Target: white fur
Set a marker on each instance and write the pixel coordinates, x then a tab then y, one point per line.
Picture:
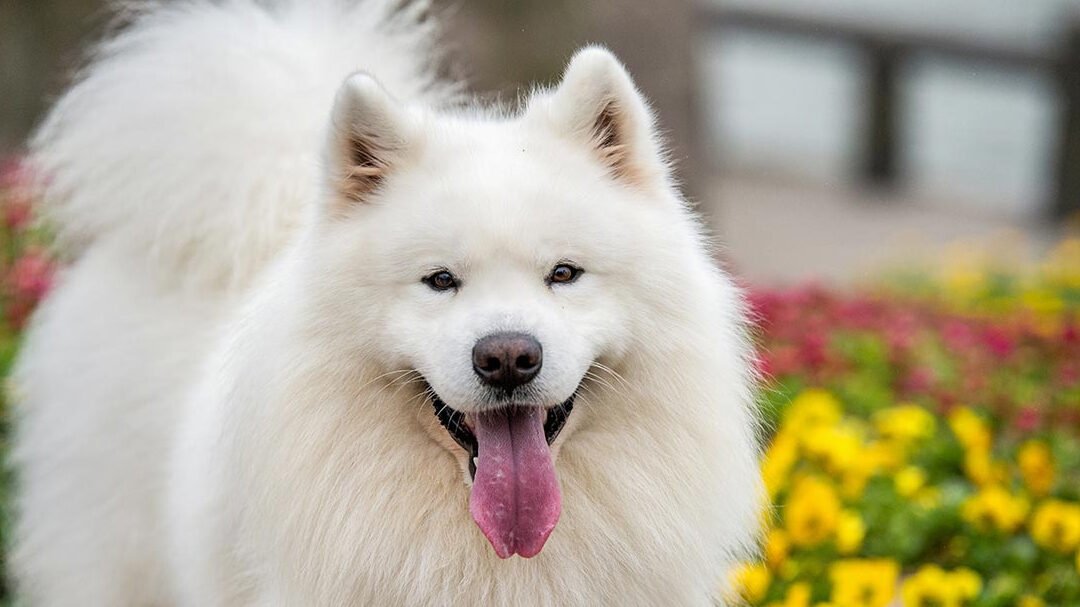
219	404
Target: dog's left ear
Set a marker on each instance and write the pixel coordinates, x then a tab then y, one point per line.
597	105
368	138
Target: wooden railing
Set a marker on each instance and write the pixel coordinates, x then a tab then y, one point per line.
885	49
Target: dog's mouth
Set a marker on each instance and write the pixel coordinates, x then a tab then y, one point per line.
515	497
460	430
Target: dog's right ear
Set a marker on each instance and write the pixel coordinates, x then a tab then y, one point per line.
368	135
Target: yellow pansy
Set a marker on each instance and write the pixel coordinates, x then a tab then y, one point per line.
905	423
963	275
1062	265
777	548
1036	464
811	408
909	481
850	531
886	455
933	586
751	581
981	468
1056	526
970	429
835	448
930	497
812	512
995	509
863	583
779	459
798	595
1030	600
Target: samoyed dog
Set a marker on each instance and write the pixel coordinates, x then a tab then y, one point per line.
332	336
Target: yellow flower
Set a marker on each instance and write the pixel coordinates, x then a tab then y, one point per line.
932	585
835	448
963	276
779	459
1036	464
850	531
1043	301
929	497
966	583
1056	526
751	581
798	595
970	429
995	509
777	548
863	583
909	481
811	408
812	512
982	469
905	424
1030	600
1062	266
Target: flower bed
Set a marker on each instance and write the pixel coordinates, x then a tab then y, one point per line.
924	443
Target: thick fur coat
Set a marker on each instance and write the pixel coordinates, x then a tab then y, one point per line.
228	399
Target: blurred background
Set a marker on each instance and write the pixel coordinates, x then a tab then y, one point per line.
898	186
820	138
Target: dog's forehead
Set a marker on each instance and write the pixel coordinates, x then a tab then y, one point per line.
501	189
504	166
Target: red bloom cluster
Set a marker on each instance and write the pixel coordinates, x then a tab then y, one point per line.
25	267
1021	364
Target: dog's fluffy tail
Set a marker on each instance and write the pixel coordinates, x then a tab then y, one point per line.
194	135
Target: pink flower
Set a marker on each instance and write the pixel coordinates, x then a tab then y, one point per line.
1071	334
1027	419
998	341
918	381
17	211
17	186
31	276
14	172
958	335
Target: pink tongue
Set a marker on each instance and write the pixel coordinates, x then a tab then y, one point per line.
515	496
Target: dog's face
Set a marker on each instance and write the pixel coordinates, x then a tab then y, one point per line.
499	259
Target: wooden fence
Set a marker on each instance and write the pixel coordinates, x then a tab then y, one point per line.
886	49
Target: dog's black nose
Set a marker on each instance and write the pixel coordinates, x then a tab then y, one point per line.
507	360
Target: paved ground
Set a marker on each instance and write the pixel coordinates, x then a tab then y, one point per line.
774	232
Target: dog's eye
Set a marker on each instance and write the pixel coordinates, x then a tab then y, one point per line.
564	273
441	280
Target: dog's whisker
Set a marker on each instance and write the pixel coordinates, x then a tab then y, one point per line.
612	372
604	382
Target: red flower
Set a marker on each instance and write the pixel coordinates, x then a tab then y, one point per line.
31	276
998	341
15	173
1027	419
17	210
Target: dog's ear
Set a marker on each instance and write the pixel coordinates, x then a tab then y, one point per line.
597	104
367	137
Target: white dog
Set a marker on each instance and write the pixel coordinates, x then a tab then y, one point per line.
371	349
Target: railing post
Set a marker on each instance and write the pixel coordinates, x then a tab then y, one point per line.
1067	195
882	120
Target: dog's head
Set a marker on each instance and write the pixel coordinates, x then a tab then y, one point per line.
503	259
